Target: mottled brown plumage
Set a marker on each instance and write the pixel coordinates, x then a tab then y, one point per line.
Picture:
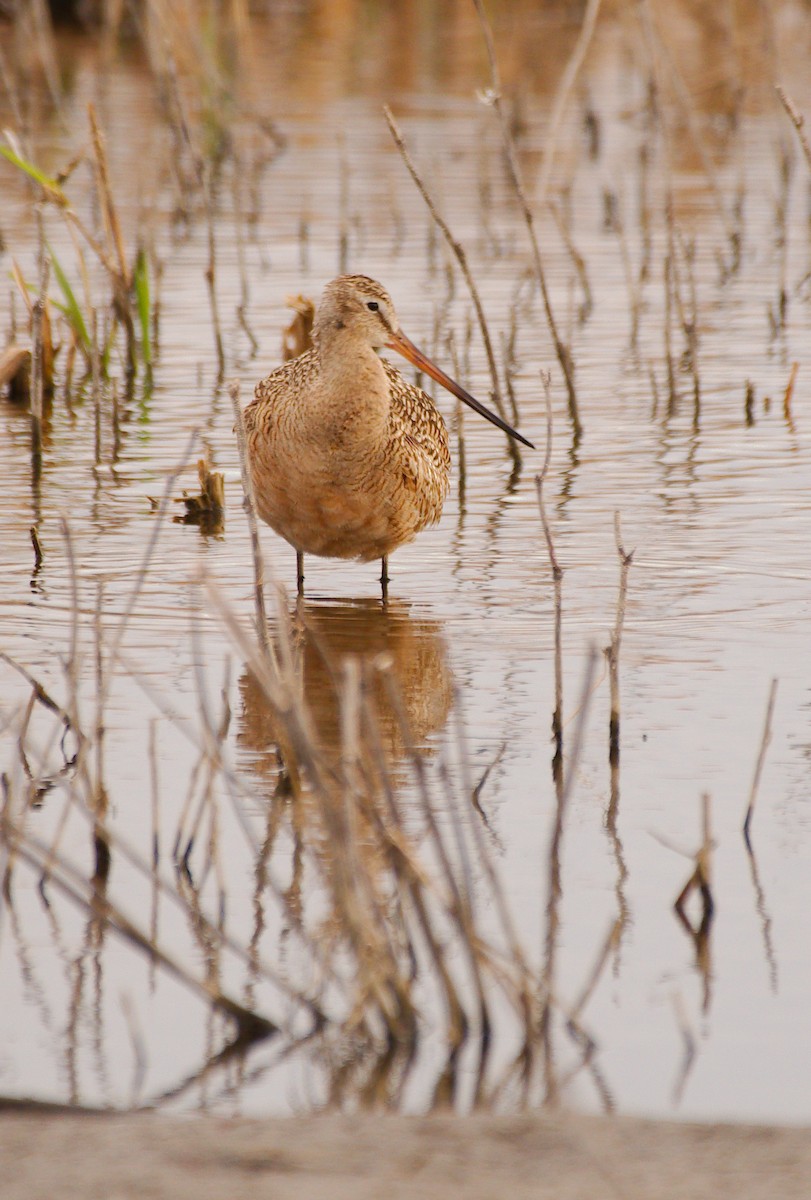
348	459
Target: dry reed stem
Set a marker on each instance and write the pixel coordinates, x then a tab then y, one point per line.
479	958
249	504
613	649
203	176
459	253
658	48
789	393
116	258
38	551
413	883
495	97
700	879
797	119
578	261
112	225
761	758
239	221
563	788
562	92
40	338
557	580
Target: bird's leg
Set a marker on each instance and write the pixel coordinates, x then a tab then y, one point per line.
300	572
384	576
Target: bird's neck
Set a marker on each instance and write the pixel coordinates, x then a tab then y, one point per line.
354	387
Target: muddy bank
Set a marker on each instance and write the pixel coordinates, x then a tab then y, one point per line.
364	1158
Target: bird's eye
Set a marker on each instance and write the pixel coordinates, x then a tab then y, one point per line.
372	305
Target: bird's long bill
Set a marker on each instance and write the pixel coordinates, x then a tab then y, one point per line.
404	346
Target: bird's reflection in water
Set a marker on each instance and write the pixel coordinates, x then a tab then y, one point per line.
325	635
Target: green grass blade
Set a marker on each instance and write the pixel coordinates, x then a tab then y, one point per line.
71	308
141	285
50	185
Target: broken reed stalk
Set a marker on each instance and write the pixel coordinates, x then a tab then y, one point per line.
761	758
613	649
797	119
557	583
495	97
459	253
249	504
38	551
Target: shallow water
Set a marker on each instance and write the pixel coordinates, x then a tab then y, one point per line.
716	511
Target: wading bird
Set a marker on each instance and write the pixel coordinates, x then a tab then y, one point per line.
348	459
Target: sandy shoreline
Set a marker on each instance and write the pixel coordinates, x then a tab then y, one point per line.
367	1157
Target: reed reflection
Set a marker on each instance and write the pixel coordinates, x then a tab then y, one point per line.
325	636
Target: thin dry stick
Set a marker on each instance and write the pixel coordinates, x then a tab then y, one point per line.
250	512
761	758
563	91
121	274
461	258
239	219
613	650
204	182
797	119
789	393
656	42
562	351
111	222
700	877
689	316
577	260
557	579
554	885
38	319
211	271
